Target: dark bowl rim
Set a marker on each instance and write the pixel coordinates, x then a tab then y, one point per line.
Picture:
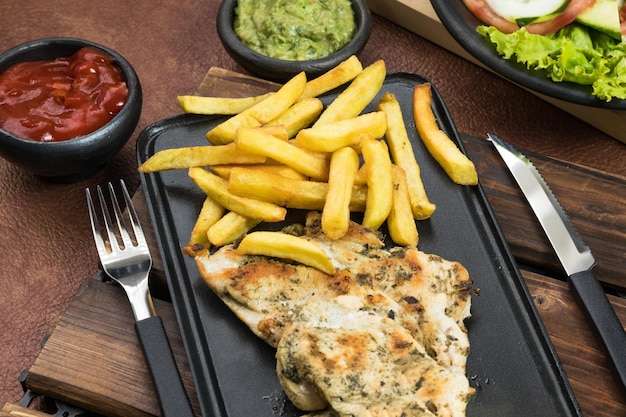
231	41
135	94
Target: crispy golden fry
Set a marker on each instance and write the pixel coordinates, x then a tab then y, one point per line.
402	154
230	228
379	182
361	176
401	224
284	171
287	192
320	155
347	132
260	113
217	105
299	116
261	143
333	78
344	165
361	91
210	213
217	188
223	171
285	246
456	164
279	131
198	156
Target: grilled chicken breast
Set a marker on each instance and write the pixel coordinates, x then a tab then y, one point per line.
433	293
383	336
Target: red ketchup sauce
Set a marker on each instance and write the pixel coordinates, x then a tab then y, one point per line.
61	99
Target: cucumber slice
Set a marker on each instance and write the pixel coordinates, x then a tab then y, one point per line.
523	10
603	16
528	20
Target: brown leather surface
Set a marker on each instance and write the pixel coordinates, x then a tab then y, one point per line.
46	248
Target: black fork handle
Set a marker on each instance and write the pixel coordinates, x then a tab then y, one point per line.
168	384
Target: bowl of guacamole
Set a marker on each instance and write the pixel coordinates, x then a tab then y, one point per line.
277	39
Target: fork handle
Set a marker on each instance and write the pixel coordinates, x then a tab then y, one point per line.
168	384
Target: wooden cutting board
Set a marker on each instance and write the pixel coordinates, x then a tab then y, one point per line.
419	17
93	359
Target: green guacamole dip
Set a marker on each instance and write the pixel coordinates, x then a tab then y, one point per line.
295	30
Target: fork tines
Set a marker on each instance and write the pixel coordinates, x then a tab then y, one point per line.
117	225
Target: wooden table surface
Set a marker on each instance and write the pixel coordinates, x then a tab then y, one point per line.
93	360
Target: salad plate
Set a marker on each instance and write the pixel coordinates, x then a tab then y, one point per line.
462	24
512	363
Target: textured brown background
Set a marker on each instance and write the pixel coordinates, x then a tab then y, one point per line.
46	248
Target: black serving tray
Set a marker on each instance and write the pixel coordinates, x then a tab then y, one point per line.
512	363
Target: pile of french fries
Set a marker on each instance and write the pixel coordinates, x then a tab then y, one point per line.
286	150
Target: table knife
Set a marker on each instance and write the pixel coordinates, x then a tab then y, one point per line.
573	254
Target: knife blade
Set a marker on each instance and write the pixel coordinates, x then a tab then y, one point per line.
573	254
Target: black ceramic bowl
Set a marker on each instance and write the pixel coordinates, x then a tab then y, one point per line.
282	70
78	158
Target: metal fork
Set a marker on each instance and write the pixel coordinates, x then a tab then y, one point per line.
126	259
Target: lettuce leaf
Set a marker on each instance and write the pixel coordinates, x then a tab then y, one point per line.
574	54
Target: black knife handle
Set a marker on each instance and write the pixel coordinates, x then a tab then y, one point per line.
168	384
590	294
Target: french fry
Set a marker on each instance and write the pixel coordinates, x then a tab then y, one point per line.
230	228
361	91
457	165
347	132
279	131
344	165
361	176
261	113
210	213
318	154
223	171
402	154
217	188
217	105
287	192
299	116
261	143
198	156
260	135
401	224
333	78
285	246
379	182
284	171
